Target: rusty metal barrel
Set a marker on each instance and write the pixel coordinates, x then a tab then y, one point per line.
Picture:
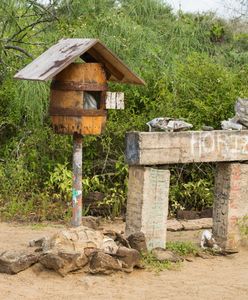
78	99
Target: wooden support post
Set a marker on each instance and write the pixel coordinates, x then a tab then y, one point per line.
77	181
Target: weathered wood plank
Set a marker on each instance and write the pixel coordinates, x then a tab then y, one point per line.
114	100
60	55
55	59
159	148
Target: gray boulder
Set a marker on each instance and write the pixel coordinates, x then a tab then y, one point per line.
65	251
12	262
137	241
130	258
64	262
91	222
102	263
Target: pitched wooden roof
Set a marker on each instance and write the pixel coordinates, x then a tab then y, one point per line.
60	55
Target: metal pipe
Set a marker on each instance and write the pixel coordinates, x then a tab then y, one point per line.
77	180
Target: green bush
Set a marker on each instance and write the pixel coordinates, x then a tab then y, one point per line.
194	65
191	187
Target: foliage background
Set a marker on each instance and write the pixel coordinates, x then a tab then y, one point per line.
195	67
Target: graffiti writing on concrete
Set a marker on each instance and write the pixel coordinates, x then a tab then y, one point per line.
223	144
156	207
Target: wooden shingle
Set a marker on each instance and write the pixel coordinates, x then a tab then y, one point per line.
66	51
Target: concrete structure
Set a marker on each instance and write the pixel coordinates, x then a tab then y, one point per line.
147	208
160	148
147	204
231	203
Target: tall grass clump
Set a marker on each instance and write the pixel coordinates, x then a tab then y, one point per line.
194	65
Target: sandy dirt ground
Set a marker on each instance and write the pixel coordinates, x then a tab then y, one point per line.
217	278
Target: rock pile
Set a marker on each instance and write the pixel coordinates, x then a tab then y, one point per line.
84	248
240	120
78	248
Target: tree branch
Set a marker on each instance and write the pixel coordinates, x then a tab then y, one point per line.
44	8
27	27
17	48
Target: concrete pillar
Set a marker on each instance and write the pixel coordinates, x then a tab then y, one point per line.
230	204
147	204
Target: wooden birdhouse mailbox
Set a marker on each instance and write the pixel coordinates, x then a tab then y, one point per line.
79	94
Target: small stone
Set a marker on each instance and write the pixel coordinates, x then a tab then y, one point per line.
64	262
110	233
130	258
204	255
91	222
89	251
102	263
174	225
12	262
226	252
189	259
204	223
109	246
121	241
117	237
137	241
38	242
162	254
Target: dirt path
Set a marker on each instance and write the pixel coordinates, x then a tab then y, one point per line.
218	278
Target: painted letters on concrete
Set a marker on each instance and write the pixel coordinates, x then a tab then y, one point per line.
147	204
158	148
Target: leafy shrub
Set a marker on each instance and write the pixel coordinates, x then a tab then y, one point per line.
191	187
182	248
189	74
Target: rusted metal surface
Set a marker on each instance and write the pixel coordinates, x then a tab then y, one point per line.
68	107
77	86
62	54
77	181
76	112
86	125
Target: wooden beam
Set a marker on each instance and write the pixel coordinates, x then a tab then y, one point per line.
160	148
